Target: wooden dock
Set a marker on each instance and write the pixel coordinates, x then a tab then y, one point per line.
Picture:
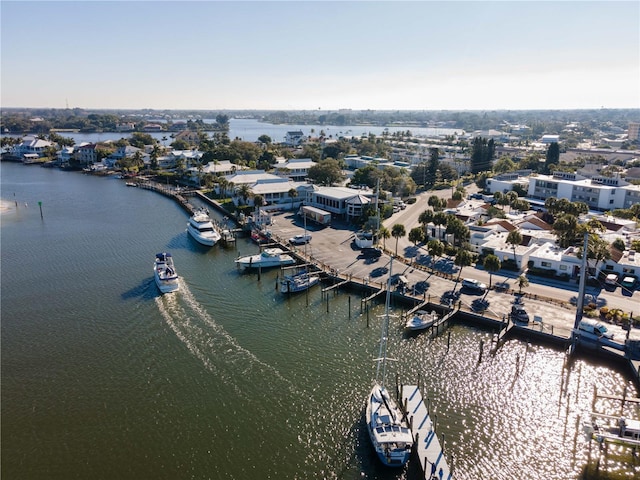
427	446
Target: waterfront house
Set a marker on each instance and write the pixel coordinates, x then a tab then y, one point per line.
31	146
294	138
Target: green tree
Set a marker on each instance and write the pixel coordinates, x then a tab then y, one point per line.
398	231
416	235
552	157
326	172
464	258
435	248
514	238
384	233
491	264
293	193
504	164
266	139
523	282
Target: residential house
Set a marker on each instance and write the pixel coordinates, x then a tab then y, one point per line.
31	146
295	138
296	169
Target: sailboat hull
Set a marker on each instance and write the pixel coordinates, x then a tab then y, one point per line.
388	429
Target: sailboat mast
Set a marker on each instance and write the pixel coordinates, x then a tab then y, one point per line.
382	357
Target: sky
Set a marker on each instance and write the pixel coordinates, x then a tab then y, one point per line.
320	55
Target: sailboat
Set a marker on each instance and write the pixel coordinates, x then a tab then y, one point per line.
386	423
302	280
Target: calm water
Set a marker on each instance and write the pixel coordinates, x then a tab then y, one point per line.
104	378
250	130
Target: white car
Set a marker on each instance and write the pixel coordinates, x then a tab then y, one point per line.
300	239
473	284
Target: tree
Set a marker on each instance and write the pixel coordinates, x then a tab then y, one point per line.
384	233
464	258
398	231
326	172
523	282
514	238
458	229
264	139
504	164
258	201
435	248
244	192
491	264
566	229
552	157
293	193
436	202
416	235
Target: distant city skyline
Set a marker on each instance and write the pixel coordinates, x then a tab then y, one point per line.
327	55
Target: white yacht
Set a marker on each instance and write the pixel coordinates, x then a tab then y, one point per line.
165	274
386	423
269	257
201	228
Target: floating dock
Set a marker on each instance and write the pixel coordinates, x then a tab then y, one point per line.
426	443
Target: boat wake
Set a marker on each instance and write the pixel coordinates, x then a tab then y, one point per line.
218	351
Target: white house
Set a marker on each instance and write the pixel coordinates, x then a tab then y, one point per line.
31	146
295	168
295	138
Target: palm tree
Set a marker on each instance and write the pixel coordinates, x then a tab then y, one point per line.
293	193
514	239
523	282
398	231
384	233
463	259
435	248
244	192
491	264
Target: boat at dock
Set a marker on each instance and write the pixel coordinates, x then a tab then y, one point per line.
201	228
421	320
298	282
269	257
612	429
165	274
386	423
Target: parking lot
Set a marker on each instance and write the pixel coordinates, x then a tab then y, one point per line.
334	248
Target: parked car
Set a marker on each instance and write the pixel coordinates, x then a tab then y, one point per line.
473	284
595	328
300	239
519	314
629	282
371	252
611	279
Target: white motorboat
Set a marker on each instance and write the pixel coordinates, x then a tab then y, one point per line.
165	274
269	257
201	228
299	282
386	423
421	320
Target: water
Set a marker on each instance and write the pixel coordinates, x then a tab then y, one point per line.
104	378
250	130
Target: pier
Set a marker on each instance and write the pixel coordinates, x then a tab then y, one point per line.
426	444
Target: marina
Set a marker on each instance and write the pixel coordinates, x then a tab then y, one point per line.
145	385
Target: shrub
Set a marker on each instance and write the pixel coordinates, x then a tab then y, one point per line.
604	311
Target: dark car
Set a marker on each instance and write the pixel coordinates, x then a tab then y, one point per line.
519	314
371	252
